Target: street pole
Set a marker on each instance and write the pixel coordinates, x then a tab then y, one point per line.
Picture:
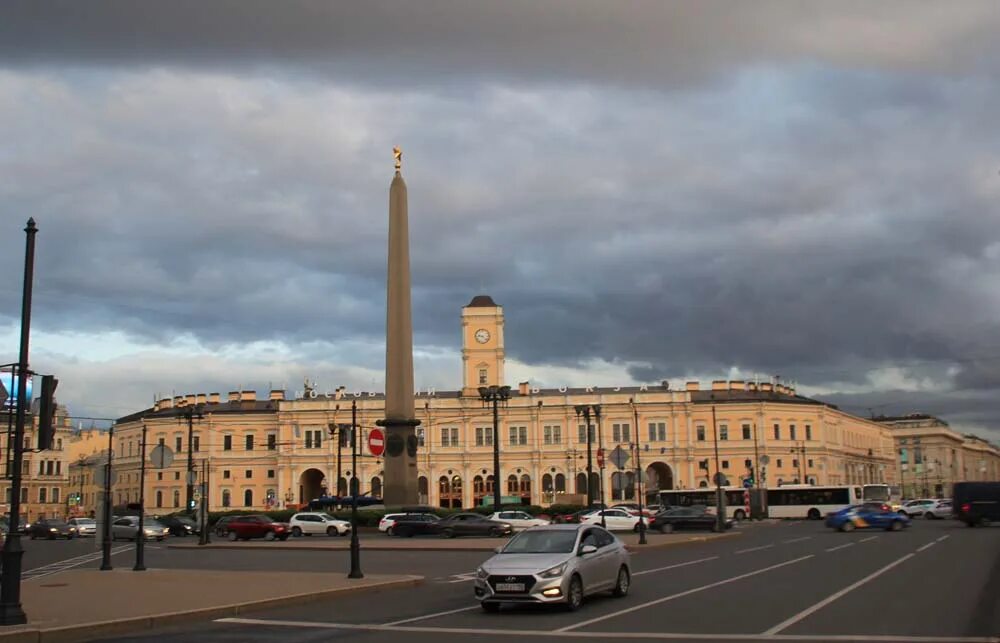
719	510
203	537
106	512
497	491
190	415
340	449
355	545
585	411
638	473
140	537
11	612
600	449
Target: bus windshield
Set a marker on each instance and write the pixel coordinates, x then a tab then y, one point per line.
876	493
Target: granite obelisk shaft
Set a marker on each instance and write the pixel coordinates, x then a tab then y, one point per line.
401	441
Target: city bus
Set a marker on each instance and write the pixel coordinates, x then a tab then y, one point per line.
809	501
732	500
887	493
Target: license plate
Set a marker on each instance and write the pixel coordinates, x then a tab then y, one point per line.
510	587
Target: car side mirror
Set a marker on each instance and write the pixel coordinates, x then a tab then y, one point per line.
587	549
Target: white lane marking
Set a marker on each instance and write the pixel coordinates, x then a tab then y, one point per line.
681	594
832	597
69	563
840	546
744	551
462	578
660	569
864	540
795	540
927	546
943	537
427	616
613	635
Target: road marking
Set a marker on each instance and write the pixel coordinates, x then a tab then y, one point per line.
744	551
831	598
946	536
681	594
69	563
795	540
840	546
660	569
927	546
427	616
462	578
864	540
612	635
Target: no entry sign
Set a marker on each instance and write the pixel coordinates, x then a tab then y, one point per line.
376	442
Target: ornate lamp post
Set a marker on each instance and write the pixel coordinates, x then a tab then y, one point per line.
495	395
585	410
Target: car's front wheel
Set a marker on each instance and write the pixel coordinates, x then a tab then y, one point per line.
929	515
270	535
624	582
232	536
847	526
574	597
297	531
666	528
895	525
331	531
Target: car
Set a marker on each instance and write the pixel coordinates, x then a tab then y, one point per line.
127	527
409	525
615	519
633	507
686	518
519	519
914	508
877	515
221	527
180	525
386	522
51	528
256	526
470	524
315	522
976	503
559	564
940	509
84	526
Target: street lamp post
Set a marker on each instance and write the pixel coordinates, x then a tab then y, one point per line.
140	536
191	413
106	512
638	473
355	544
495	395
585	410
719	510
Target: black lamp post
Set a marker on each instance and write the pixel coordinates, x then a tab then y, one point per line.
495	395
190	413
106	512
140	536
355	544
638	473
585	410
720	519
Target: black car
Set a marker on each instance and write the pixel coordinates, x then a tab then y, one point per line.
180	525
976	503
686	518
51	528
469	524
415	525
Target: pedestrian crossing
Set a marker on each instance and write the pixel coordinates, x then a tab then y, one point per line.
69	563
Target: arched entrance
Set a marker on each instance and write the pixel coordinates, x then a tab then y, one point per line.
376	488
581	483
310	485
659	477
450	492
525	489
422	490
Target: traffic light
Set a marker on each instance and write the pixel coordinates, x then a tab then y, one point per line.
47	412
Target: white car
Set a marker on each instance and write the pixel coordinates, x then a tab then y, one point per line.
318	523
84	526
518	519
615	519
387	521
940	509
914	508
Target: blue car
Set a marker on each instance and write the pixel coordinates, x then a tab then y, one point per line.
876	515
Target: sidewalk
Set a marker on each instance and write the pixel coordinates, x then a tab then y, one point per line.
86	604
381	542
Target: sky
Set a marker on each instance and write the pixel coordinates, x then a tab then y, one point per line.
652	191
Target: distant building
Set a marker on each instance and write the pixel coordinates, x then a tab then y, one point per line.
44	473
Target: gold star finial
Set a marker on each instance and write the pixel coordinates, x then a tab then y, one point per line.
397	154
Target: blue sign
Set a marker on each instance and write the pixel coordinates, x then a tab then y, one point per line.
747	483
10	384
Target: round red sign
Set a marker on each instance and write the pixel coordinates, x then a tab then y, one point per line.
376	442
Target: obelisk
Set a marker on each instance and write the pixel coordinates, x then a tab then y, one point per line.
400	486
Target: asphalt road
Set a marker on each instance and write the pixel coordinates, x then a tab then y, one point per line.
937	581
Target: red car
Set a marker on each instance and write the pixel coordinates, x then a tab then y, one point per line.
256	526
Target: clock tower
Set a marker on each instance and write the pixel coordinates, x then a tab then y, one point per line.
482	345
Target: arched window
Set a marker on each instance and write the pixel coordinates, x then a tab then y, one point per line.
248	498
512	485
617	482
159	499
376	487
423	490
547	483
560	483
702	484
526	485
581	483
226	498
478	486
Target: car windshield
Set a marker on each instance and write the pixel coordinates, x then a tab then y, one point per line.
542	541
86	521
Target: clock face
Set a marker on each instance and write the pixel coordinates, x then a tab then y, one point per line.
482	335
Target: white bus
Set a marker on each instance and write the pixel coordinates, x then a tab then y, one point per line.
732	499
889	494
812	502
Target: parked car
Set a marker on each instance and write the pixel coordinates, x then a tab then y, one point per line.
180	525
310	523
633	507
470	524
518	519
976	503
940	509
914	508
409	525
570	518
554	564
84	526
51	528
256	526
221	527
686	518
877	515
615	519
127	527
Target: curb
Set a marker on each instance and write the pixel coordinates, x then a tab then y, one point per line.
89	631
322	548
697	540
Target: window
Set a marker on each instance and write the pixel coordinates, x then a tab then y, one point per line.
24	495
196	443
747	463
225	474
159	475
162	441
484	436
552	434
621	432
779	463
249	473
809	432
482	376
177	443
227	443
449	436
725	464
41	494
177	475
700	433
270	473
177	497
581	433
795	463
159	499
723	431
249	442
746	431
791	431
59	444
272	441
777	431
420	436
55	494
657	431
41	467
48	467
518	435
58	467
226	498
809	463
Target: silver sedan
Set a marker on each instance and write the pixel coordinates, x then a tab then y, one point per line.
554	564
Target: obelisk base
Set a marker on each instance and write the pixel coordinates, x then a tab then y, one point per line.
400	488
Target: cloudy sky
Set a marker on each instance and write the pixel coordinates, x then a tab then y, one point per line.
652	191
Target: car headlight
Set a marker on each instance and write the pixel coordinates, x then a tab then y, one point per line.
507	525
554	572
482	574
53	529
